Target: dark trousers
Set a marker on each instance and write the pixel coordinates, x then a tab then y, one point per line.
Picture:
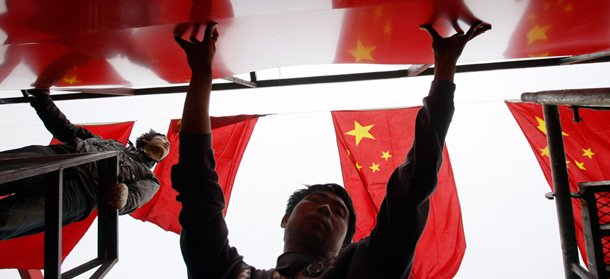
22	211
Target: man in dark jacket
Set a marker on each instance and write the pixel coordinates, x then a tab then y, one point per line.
22	213
318	220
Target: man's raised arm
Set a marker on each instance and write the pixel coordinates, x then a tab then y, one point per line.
200	55
404	212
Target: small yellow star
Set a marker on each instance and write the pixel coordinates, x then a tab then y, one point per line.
360	132
387	28
580	165
361	52
588	153
374	167
545	151
179	122
386	155
378	11
546	54
568	164
71	80
348	153
542	127
358	166
532	17
537	33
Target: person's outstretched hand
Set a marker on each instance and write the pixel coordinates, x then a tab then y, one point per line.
448	50
199	54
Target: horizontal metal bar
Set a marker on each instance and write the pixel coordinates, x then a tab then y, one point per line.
20	173
240	81
82	268
503	65
104	269
594	97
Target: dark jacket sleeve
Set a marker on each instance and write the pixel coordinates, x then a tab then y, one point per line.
404	212
140	192
203	239
56	122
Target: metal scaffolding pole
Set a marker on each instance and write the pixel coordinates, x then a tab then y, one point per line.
561	186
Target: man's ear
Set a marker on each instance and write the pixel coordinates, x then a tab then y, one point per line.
285	220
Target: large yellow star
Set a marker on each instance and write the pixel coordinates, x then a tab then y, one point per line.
360	132
361	52
542	127
545	151
386	155
537	33
374	167
588	153
580	165
358	166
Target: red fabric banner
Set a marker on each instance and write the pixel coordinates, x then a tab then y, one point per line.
586	145
371	145
28	252
384	34
555	28
231	136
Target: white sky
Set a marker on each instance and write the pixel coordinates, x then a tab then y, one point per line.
511	229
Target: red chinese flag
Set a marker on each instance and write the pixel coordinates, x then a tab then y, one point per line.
28	252
587	145
565	27
231	136
371	145
384	33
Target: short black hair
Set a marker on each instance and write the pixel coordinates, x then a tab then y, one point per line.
336	189
140	141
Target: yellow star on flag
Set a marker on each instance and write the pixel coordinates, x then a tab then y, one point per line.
71	80
179	122
588	153
360	132
348	153
387	28
361	52
378	11
545	151
537	33
374	167
542	127
358	166
386	155
546	54
580	165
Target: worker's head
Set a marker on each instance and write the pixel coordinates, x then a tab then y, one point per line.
319	218
155	144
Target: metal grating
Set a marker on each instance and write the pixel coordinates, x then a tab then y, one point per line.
595	205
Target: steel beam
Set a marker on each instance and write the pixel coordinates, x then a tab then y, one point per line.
561	186
592	97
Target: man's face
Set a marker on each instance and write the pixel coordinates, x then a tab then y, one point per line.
318	222
157	148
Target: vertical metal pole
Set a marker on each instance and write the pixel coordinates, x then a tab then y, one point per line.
561	184
107	226
53	221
